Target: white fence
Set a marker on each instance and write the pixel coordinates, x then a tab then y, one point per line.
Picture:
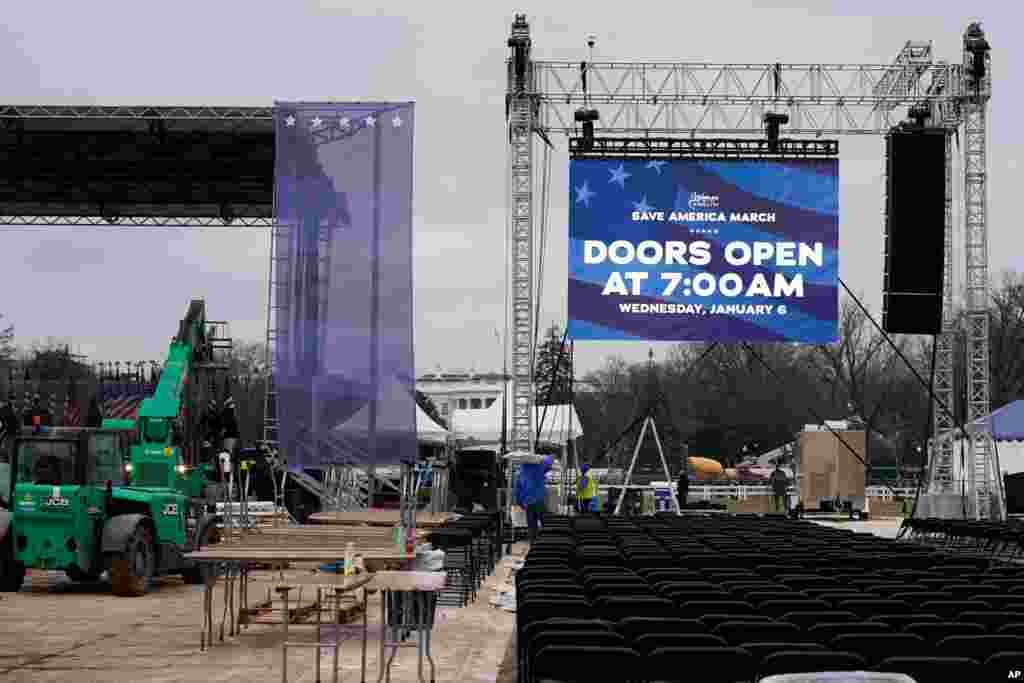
742	492
255	506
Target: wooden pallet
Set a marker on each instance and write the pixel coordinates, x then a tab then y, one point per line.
270	613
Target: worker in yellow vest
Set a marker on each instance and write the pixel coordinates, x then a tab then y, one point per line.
586	490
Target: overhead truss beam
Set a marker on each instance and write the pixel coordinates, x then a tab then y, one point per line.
139	221
673	98
43	111
697	148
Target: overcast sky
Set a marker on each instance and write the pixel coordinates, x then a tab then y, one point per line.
117	293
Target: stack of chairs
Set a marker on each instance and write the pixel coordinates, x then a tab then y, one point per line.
998	540
472	545
736	599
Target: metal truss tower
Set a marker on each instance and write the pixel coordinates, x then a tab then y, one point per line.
984	472
679	99
522	124
940	473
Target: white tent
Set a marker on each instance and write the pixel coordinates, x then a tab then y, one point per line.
1007	424
560	423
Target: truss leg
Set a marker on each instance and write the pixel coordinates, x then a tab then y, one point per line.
986	493
943	499
664	465
521	141
632	464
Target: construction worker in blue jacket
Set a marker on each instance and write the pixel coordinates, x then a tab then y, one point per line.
531	493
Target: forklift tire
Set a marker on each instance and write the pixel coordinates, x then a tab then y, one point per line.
12	573
78	576
132	570
199	574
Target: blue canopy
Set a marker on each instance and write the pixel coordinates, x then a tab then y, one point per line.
1008	422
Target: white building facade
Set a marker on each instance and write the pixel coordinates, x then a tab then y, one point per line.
451	391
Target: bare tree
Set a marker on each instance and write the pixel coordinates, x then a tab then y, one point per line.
607	400
1006	334
866	372
248	358
6	341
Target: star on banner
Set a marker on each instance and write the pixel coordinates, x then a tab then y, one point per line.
583	194
656	164
317	122
289	121
397	121
619	175
371	121
344	122
642	205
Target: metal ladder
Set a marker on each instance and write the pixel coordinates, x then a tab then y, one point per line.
987	489
277	307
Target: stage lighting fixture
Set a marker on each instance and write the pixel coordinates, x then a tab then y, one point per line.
586	118
919	114
975	43
520	50
773	122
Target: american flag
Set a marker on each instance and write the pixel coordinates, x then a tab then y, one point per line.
121	403
72	416
8	418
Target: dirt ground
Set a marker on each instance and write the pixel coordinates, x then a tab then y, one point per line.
57	631
884	527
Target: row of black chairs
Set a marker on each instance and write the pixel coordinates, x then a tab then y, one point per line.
749	597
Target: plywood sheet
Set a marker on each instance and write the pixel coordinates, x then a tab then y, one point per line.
377	518
238	553
828	468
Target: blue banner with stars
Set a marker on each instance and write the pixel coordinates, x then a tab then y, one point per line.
704	250
342	283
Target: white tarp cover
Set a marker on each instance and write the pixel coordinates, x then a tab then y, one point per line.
427	431
561	423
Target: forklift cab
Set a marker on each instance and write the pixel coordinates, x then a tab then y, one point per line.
71	457
60	495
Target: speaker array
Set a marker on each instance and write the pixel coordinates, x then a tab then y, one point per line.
915	219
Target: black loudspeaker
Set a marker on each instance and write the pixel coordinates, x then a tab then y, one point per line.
1014	486
915	221
475	480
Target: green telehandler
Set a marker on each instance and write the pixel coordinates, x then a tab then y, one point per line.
79	505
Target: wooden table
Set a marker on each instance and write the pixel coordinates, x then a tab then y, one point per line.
377	518
408	600
364	537
239	557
